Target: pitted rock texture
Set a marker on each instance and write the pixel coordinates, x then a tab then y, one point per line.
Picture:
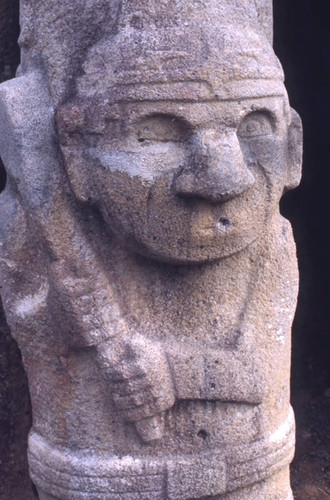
149	278
15	412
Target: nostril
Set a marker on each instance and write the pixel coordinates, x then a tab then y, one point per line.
184	183
217	184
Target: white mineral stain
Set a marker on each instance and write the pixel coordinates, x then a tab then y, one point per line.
32	303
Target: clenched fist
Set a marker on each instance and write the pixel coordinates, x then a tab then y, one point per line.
140	379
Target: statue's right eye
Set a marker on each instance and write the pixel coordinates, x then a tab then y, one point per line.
161	128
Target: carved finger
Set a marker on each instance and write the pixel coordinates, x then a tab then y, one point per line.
129	402
124	388
127	370
135	414
124	372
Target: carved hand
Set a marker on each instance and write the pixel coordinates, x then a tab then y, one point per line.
141	382
136	368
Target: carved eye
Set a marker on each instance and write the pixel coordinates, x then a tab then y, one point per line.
161	128
255	124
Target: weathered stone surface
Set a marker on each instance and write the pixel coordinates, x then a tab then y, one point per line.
265	15
147	274
15	416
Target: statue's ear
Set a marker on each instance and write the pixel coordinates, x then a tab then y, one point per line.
27	146
295	151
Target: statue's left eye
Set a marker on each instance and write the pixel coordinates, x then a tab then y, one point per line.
255	124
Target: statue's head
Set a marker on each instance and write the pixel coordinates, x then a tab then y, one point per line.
182	137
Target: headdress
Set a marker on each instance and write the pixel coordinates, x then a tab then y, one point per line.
155	49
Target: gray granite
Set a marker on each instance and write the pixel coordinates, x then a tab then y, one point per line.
148	276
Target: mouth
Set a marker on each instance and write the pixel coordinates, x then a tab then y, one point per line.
211	218
222	225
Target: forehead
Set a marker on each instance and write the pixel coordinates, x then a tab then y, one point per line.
182	64
196	91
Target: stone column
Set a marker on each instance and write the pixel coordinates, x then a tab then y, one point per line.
15	416
148	276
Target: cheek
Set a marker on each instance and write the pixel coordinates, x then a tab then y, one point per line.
124	183
146	162
122	198
269	153
268	156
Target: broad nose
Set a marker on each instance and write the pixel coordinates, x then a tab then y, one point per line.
215	169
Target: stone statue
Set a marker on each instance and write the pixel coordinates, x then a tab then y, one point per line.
147	274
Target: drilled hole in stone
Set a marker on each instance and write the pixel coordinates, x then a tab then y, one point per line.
224	221
202	434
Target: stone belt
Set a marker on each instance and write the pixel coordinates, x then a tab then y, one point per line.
84	475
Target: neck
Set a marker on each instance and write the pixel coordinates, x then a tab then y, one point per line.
183	301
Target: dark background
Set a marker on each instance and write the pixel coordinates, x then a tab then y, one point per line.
302	42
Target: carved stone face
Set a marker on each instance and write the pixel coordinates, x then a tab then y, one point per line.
182	183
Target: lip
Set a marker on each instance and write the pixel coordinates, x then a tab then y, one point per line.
222	225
